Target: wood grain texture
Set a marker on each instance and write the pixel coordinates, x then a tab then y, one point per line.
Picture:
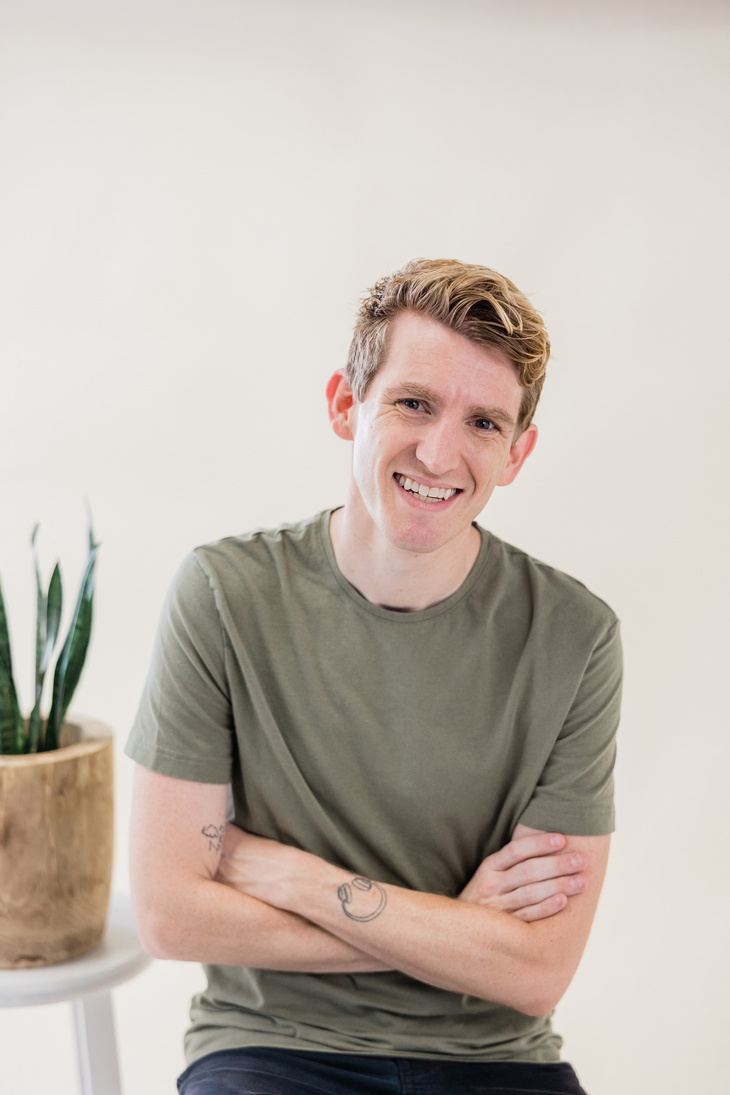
56	848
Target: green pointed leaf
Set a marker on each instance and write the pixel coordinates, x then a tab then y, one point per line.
72	656
34	722
5	655
12	733
34	726
48	620
40	617
92	542
8	722
54	607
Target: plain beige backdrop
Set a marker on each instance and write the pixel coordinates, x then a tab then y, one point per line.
193	195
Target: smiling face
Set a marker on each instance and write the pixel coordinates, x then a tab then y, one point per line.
433	436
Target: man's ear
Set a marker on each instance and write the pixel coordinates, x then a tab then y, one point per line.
518	453
341	405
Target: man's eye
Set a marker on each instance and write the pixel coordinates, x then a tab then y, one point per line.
411	404
485	424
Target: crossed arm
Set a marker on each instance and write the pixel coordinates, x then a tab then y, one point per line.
210	893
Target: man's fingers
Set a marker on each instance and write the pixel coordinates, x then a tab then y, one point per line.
537	870
538	893
526	847
549	907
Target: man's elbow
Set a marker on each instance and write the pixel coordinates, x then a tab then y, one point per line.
168	910
163	917
539	1005
534	1000
156	930
535	991
542	991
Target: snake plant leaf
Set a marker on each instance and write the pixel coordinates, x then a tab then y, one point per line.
92	542
49	607
73	654
34	722
48	619
40	616
12	734
54	607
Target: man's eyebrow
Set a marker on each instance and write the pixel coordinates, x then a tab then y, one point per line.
415	391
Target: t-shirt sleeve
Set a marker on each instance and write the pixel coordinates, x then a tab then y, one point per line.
184	725
575	792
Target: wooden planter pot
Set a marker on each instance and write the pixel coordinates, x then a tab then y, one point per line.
56	848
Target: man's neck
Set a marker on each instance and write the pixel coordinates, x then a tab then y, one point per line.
390	577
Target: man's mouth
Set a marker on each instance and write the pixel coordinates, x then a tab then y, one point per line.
426	494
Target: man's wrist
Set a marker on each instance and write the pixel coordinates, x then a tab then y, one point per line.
311	889
362	899
335	899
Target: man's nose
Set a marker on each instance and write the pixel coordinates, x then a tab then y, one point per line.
438	447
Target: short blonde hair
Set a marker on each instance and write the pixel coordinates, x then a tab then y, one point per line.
474	301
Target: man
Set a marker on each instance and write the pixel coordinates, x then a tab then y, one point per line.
417	722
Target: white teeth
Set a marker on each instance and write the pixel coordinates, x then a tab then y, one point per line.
428	494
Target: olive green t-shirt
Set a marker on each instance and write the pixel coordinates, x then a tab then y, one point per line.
402	746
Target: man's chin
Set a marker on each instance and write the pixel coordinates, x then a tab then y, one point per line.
421	537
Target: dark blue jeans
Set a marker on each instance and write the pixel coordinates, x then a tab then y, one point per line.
286	1072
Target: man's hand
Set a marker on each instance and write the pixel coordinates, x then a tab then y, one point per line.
528	878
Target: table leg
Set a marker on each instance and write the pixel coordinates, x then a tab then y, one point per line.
96	1045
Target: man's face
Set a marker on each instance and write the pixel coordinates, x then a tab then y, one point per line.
433	435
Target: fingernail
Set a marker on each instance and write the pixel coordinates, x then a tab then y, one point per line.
556	840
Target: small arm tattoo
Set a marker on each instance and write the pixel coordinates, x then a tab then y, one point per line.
362	899
215	834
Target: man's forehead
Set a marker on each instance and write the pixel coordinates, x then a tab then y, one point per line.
412	335
436	362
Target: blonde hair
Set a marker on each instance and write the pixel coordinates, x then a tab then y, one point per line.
474	301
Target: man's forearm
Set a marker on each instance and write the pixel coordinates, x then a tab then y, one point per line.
212	893
183	913
457	945
212	923
451	944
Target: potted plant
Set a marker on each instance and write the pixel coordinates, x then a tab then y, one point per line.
56	794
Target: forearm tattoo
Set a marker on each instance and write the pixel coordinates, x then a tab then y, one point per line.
362	899
215	834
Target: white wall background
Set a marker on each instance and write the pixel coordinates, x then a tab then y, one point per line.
193	195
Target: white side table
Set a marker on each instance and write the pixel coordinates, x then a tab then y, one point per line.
87	982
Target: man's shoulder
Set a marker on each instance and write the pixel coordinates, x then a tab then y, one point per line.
261	555
521	575
297	537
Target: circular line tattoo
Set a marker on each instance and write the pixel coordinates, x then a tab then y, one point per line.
362	899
